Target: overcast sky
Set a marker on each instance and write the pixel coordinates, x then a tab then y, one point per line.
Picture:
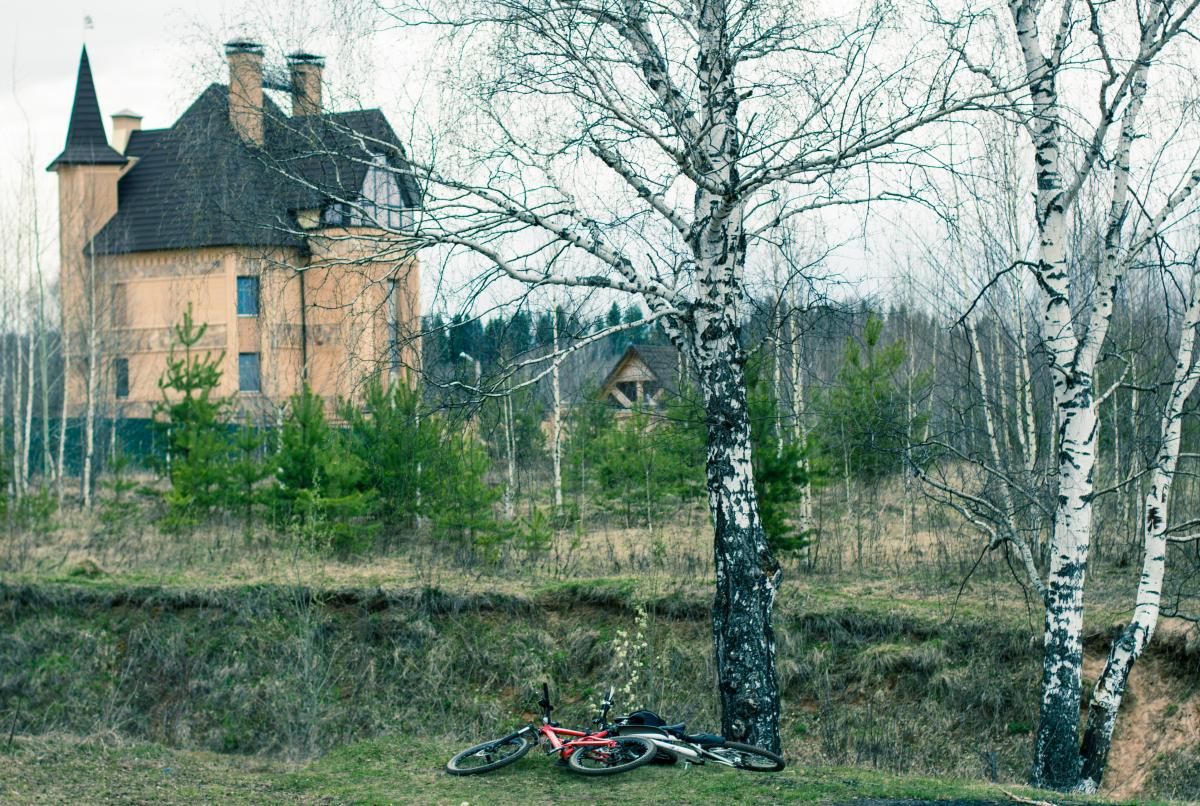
140	54
155	56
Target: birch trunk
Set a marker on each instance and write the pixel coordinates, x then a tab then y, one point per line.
747	574
556	422
1073	362
5	361
18	470
1029	425
29	383
1001	384
1128	646
48	469
800	425
509	454
61	466
777	386
93	385
41	329
1056	745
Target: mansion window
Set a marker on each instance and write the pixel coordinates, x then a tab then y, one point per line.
121	377
247	296
249	379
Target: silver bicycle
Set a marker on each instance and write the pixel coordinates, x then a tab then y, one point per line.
675	744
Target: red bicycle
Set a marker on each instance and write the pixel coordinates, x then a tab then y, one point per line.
584	752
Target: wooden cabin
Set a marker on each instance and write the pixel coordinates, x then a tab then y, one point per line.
646	376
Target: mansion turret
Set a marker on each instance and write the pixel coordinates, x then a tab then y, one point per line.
276	228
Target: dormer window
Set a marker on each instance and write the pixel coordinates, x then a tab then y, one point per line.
336	214
380	203
383	203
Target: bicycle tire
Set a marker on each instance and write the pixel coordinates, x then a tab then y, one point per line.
633	752
457	765
752	758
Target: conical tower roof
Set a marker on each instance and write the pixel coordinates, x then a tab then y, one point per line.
86	142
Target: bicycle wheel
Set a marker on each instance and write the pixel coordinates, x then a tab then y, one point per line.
748	757
628	753
489	756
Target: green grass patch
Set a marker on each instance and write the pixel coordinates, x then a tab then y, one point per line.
394	770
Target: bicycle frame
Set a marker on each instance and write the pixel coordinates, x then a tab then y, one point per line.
574	739
681	749
552	733
677	746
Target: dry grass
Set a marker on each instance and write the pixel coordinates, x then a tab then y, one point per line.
881	533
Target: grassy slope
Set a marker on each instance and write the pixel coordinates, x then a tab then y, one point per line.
875	673
57	769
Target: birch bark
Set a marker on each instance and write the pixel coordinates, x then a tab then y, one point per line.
556	423
1056	745
60	464
92	336
1073	348
1128	646
747	574
18	457
31	365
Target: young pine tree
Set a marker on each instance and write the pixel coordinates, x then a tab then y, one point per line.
318	483
421	468
192	420
398	448
779	466
864	423
648	464
118	510
251	466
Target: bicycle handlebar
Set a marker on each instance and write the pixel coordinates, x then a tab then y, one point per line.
605	707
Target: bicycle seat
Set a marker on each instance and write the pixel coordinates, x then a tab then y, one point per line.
675	728
706	739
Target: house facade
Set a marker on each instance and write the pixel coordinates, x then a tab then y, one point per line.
280	231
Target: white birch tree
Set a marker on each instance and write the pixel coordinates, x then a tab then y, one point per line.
1156	536
638	149
1086	69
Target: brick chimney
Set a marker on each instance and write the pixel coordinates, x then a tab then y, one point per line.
306	83
246	89
124	124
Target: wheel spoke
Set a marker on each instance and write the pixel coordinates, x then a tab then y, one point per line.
489	756
623	754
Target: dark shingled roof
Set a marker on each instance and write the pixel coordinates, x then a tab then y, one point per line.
198	184
86	142
661	360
